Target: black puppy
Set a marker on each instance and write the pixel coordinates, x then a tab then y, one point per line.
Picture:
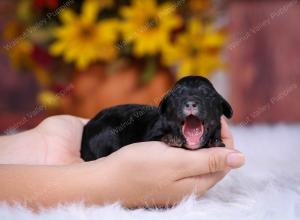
188	116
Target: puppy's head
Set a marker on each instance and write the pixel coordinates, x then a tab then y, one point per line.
195	107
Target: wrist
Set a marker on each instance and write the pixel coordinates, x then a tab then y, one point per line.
96	181
21	148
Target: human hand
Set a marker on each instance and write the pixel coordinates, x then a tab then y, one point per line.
62	138
154	174
55	141
149	173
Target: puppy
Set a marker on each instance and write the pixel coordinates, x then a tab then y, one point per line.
188	117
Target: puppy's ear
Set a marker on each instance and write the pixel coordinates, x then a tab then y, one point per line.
163	104
227	110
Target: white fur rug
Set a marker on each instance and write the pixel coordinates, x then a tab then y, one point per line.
267	187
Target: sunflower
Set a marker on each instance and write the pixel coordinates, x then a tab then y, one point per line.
83	40
200	5
48	99
196	51
18	49
148	25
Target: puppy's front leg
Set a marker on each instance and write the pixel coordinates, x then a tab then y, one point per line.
172	140
216	140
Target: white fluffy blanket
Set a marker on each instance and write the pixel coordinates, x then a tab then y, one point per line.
267	187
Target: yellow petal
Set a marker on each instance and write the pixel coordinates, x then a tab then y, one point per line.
57	48
186	67
150	5
126	12
195	27
213	40
82	63
48	99
107	30
90	11
67	16
42	75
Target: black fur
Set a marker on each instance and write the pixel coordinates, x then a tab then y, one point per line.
192	96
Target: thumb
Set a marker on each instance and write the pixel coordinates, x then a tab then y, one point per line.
211	160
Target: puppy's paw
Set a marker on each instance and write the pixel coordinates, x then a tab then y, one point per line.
216	143
172	140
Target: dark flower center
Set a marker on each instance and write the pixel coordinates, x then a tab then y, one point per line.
194	51
86	32
152	22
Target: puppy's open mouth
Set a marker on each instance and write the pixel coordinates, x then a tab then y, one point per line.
192	130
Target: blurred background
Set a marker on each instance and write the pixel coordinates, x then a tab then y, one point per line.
78	57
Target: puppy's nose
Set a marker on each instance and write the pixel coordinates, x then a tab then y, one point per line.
191	105
190	108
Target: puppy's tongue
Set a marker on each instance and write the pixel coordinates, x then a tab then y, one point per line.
192	130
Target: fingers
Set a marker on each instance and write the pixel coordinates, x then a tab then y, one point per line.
205	161
226	134
200	184
83	120
211	160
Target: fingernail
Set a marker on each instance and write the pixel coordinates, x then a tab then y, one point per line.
235	160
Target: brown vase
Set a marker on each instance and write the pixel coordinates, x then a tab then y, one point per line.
98	88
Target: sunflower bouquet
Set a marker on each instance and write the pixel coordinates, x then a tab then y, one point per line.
53	37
